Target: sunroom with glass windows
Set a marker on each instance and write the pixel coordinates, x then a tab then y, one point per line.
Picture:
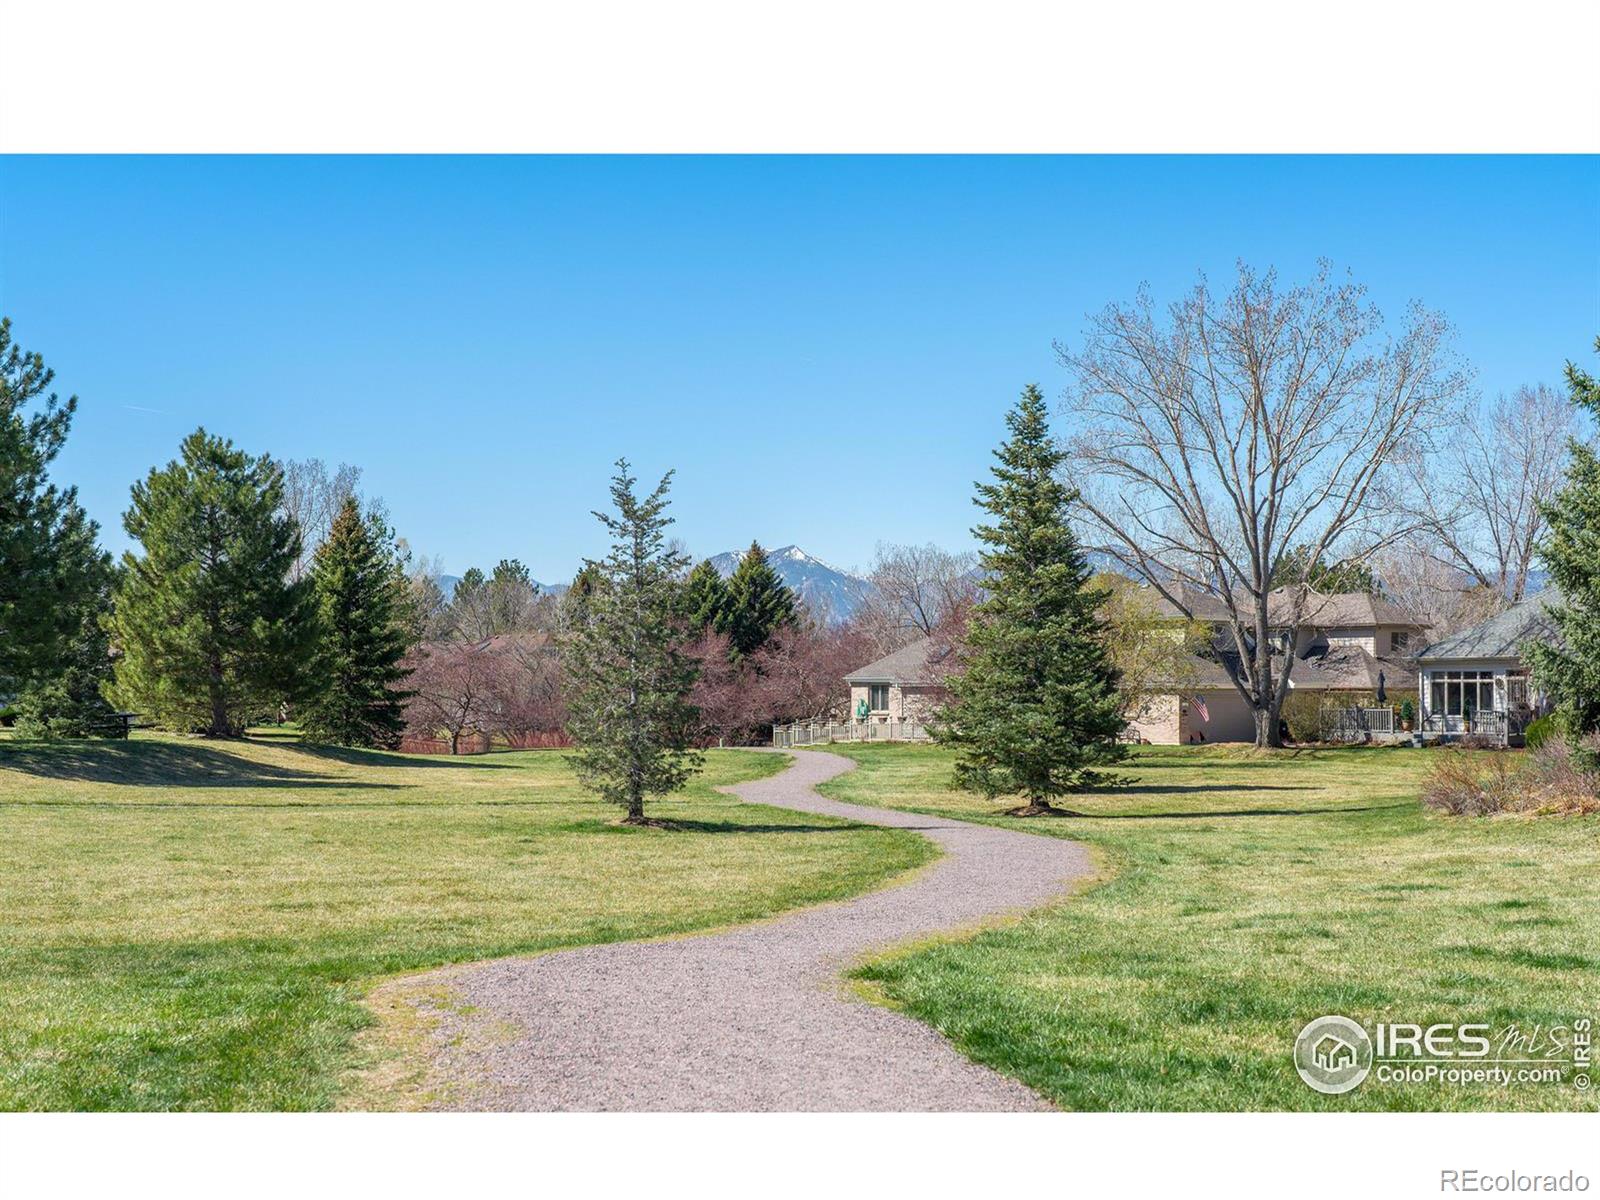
1477	682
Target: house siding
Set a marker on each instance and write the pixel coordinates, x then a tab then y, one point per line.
907	702
1172	720
1158	723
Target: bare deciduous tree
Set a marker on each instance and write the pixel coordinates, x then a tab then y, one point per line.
916	591
430	607
1209	441
798	675
456	689
1504	461
1416	574
313	497
529	696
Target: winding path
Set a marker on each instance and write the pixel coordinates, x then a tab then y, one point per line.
754	1018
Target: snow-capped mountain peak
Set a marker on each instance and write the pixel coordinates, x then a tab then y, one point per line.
831	593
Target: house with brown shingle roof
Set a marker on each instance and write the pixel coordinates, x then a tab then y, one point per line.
1350	647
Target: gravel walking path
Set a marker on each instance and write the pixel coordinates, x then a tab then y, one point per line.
755	1018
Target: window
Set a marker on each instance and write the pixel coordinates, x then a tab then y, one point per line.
878	697
1398	640
1462	693
1517	691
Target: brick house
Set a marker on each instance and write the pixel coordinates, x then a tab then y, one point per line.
905	686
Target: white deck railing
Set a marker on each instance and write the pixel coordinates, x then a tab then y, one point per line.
814	733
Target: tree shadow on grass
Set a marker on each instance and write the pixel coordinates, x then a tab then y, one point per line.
1155	789
694	826
1338	810
355	757
143	763
161	764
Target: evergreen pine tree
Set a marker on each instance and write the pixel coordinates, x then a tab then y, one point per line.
1036	707
630	678
758	603
705	597
69	701
1571	551
212	633
512	594
354	695
52	573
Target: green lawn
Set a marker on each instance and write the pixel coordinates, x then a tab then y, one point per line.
192	925
1247	894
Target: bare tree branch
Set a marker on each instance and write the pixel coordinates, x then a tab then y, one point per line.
1210	441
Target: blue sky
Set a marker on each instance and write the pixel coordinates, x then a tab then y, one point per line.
823	347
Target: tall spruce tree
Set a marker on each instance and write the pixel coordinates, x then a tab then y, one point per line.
1571	551
758	603
354	695
212	633
631	718
1036	707
705	597
52	572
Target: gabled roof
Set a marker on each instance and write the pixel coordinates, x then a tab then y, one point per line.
1351	668
1202	672
1501	636
1339	668
1201	605
1338	609
909	664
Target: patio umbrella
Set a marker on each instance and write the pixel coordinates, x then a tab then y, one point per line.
1383	697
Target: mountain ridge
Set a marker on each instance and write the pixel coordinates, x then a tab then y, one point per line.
830	593
833	594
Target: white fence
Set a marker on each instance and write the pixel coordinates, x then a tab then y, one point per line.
814	733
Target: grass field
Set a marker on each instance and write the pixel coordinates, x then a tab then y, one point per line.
192	925
1247	894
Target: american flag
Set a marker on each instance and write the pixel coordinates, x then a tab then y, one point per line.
1200	707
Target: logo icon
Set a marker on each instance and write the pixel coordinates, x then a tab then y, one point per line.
1333	1055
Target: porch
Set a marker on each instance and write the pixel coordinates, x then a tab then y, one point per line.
1492	701
1383	725
1501	728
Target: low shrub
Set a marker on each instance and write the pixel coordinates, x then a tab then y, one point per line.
1469	786
1302	712
1560	780
1539	732
1547	780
